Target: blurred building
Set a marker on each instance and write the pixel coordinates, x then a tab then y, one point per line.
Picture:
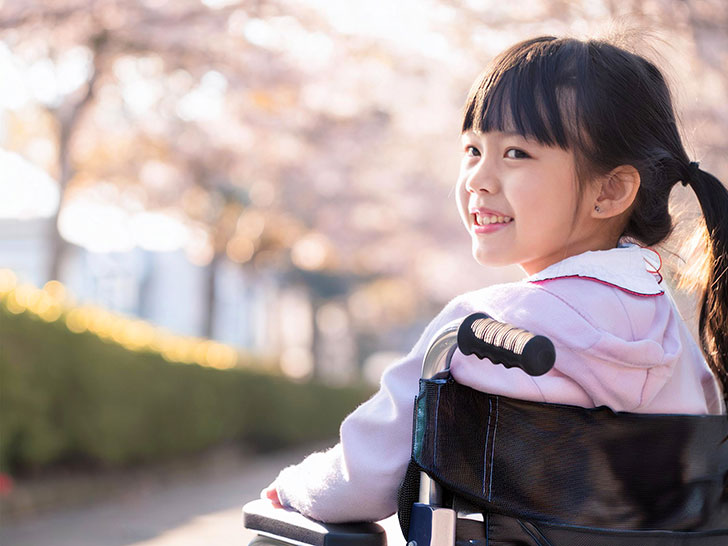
252	311
161	287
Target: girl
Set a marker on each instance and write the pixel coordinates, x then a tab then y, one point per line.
570	152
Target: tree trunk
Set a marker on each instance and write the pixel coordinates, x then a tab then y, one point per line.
210	295
68	116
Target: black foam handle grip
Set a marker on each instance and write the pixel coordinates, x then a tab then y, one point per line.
505	344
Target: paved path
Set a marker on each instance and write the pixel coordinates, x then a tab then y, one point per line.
201	511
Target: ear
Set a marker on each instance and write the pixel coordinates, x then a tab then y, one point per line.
617	192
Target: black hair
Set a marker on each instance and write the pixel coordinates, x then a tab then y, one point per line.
611	107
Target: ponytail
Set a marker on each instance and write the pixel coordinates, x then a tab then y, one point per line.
713	324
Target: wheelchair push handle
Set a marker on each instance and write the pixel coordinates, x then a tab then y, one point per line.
505	344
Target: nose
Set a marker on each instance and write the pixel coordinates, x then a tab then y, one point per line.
481	179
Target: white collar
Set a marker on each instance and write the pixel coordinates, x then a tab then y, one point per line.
629	267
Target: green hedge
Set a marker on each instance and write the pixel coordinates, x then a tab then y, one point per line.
67	397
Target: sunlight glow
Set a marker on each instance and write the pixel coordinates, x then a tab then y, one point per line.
74	69
159	232
91	218
206	101
139	82
27	190
240	249
49	82
43	83
98	227
218	4
199	250
52	303
310	252
406	25
12	97
297	362
8	281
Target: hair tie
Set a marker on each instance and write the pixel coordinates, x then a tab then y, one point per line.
693	171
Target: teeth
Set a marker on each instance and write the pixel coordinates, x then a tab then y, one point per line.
482	220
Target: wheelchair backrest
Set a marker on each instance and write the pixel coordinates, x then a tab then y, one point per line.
568	465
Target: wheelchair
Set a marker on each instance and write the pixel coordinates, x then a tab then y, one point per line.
492	470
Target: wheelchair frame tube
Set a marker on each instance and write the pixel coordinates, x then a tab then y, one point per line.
437	358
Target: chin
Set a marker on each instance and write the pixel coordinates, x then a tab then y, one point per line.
490	259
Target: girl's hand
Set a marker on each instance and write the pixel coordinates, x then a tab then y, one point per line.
271	493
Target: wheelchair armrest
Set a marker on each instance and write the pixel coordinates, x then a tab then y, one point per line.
260	515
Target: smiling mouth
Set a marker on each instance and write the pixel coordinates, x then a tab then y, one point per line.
488	219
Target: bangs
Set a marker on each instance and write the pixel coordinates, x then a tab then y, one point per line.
526	91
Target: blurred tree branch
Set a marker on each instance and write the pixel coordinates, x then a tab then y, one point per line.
349	135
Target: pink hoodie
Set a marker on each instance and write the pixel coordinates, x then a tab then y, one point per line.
619	341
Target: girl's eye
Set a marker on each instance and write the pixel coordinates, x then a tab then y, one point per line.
516	153
472	151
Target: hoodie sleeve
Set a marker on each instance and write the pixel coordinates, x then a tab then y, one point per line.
358	479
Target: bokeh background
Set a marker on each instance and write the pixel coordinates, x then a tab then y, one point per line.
209	201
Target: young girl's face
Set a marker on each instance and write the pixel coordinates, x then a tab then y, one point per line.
519	202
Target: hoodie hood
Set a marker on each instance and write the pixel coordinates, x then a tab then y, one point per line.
629	267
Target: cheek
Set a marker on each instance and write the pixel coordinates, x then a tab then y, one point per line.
543	214
461	200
